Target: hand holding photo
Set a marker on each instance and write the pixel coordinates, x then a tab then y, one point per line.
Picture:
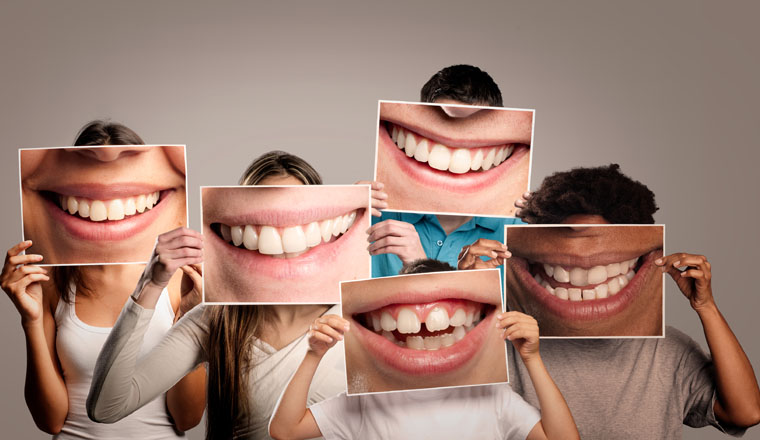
453	158
283	244
423	331
587	280
101	204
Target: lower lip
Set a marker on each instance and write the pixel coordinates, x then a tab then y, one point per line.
593	310
109	230
308	264
424	362
461	183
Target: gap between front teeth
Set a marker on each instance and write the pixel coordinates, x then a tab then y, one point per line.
114	209
270	240
441	157
407	322
609	279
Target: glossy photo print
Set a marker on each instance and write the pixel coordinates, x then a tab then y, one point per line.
587	280
283	244
101	204
423	331
453	158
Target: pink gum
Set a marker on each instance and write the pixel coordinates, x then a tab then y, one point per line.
422	310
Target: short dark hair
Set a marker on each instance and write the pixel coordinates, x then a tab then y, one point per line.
463	83
101	132
279	163
425	265
603	191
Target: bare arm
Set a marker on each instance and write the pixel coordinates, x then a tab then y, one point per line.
186	400
291	419
44	390
556	420
738	396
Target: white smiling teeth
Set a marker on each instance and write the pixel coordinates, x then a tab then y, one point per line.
460	161
293	239
459	332
601	291
114	209
597	274
439	157
561	275
598	282
250	237
72	205
98	211
415	342
237	235
407	321
437	319
578	276
387	322
458	318
313	234
270	242
445	158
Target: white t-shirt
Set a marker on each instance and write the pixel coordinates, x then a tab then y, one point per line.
477	412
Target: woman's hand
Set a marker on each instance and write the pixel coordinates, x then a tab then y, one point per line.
522	330
20	279
694	280
174	249
325	332
469	257
378	196
191	289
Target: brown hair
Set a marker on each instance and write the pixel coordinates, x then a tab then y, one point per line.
94	133
232	329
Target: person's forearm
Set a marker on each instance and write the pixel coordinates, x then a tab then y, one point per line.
291	410
187	399
556	418
44	391
738	395
147	293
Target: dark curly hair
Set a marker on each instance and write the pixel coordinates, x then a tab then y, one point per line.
463	83
603	191
425	265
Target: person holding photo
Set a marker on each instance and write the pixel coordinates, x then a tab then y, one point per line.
486	411
639	388
67	313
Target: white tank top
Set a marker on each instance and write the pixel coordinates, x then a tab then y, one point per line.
78	345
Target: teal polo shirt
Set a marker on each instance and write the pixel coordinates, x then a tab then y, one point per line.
435	242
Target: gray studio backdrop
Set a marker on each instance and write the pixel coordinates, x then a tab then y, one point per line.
668	90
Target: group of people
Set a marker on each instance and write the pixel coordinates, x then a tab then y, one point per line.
106	359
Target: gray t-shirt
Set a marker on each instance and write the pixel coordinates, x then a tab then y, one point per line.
628	388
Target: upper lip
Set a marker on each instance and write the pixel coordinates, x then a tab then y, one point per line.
419	297
463	140
100	191
281	218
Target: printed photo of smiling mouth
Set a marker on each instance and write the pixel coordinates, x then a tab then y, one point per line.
289	244
591	292
456	162
100	205
422	331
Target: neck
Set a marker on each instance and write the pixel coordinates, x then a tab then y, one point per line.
109	278
450	223
287	315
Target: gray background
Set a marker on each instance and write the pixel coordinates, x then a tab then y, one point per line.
667	89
